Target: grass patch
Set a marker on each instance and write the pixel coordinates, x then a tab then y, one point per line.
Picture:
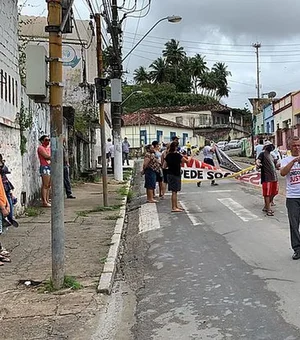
102	208
123	191
103	260
69	282
127	174
112	217
130	195
32	211
82	213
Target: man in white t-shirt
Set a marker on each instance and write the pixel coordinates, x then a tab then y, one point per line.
112	157
208	154
107	150
259	148
290	168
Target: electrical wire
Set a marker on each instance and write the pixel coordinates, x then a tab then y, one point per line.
135	34
275	54
215	44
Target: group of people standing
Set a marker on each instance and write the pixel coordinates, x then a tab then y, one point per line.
163	167
110	152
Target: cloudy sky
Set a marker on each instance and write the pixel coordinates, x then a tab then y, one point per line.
222	30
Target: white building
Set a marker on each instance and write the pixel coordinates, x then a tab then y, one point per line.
142	128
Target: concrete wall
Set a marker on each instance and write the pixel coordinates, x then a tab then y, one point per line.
192	119
283	118
259	124
24	169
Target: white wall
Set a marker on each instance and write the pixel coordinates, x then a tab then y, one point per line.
24	169
192	119
282	116
9	67
133	133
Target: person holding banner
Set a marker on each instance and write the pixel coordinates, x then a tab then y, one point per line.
164	166
208	153
290	169
150	167
174	160
269	179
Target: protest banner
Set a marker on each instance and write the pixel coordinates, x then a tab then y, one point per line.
196	171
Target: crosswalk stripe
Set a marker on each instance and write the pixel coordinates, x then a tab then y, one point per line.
243	213
192	218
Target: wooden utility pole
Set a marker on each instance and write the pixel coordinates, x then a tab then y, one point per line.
56	125
101	85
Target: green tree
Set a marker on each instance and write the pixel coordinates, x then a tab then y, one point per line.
173	53
198	68
221	73
175	57
141	76
160	71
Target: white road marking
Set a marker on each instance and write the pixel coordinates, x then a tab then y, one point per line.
220	191
192	218
148	218
243	213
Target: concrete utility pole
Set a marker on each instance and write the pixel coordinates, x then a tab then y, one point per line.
56	125
100	84
257	46
116	92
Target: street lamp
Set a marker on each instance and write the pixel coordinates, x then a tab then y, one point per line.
131	94
172	19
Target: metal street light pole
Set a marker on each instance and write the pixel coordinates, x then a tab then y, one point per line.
116	86
172	19
131	94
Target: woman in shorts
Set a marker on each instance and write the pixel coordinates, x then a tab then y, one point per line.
44	154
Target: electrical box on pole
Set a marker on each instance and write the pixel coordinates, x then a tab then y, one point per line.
67	15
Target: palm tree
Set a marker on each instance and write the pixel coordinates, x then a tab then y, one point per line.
160	71
221	74
221	70
141	76
174	55
208	83
197	68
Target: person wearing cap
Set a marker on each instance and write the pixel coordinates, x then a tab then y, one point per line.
290	169
269	179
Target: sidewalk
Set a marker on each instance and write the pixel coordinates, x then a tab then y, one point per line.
30	312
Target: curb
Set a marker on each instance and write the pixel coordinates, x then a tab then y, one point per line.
108	274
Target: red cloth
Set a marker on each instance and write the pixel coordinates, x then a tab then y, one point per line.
270	188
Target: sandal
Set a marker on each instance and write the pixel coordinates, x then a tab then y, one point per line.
4	253
1	264
270	213
4	259
177	210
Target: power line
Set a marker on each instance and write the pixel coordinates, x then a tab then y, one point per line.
216	44
233	53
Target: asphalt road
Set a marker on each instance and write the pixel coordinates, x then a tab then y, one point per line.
220	270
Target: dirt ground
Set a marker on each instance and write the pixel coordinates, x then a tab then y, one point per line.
33	313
